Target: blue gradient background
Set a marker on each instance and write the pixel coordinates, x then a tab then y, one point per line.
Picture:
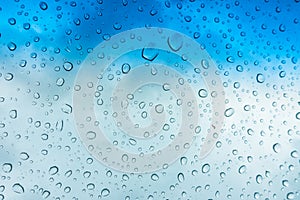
232	34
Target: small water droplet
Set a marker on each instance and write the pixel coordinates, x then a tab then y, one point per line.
229	112
205	168
259	179
125	68
7	167
91	135
43	5
53	170
298	116
105	192
180	177
24	156
149	54
276	147
18	188
68	66
202	93
260	78
11	46
154	177
159	108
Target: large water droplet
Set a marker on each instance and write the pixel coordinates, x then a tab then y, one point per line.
276	147
18	188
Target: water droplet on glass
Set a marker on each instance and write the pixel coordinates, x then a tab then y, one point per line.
7	167
175	42
242	169
43	5
205	63
229	112
154	177
202	93
205	168
298	116
290	195
8	76
105	192
180	177
91	135
68	66
259	179
11	46
24	156
125	68
12	21
159	108
53	170
260	78
276	147
18	188
282	28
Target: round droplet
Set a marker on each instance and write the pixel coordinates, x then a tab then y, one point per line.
53	170
8	76
68	66
105	192
242	169
183	160
125	68
260	78
91	135
11	46
154	177
202	93
282	28
7	167
43	5
294	154
159	108
205	63
290	195
18	188
205	168
276	147
166	87
12	21
229	112
60	81
90	186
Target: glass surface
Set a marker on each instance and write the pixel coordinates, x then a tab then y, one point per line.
136	99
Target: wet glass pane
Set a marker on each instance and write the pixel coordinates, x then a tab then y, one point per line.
149	100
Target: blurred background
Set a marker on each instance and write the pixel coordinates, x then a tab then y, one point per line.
255	46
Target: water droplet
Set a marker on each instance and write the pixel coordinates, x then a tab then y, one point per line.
24	156
294	154
67	109
91	135
18	188
205	63
276	147
259	179
90	186
154	177
242	169
290	195
202	93
285	183
282	28
7	167
260	78
8	76
105	192
12	21
125	68
68	66
205	168
60	81
175	42
180	177
149	54
166	86
159	108
53	170
11	46
229	112
183	160
43	5
298	116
